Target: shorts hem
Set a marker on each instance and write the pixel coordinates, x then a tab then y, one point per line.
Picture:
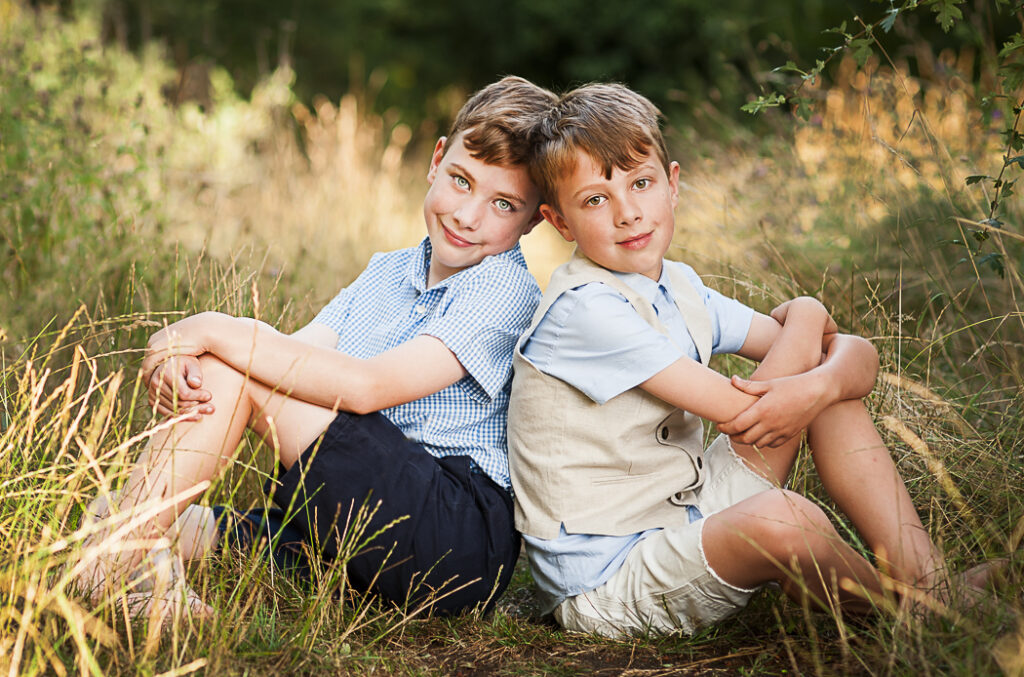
711	570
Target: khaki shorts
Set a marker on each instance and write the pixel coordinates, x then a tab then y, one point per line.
665	585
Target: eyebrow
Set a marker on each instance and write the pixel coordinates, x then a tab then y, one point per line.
646	165
511	197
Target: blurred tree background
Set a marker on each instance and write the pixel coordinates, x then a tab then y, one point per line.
419	58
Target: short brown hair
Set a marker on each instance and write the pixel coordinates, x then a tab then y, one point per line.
609	122
497	120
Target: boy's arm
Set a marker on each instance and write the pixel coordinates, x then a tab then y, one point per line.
787	404
793	344
312	373
176	386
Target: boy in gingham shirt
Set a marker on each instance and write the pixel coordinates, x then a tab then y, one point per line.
395	396
630	523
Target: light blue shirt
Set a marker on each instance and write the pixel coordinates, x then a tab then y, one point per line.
478	313
592	339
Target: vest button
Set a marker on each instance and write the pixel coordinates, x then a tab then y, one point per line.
700	463
664	433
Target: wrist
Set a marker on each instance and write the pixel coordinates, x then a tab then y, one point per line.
829	388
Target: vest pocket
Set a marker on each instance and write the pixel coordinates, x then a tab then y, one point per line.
621	479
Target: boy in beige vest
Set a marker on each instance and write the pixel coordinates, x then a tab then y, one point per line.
630	523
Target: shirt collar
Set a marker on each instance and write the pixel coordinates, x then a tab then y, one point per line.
419	265
645	286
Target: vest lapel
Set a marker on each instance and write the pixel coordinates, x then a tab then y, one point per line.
695	314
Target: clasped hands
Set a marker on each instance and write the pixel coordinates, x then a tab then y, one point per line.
171	369
785	405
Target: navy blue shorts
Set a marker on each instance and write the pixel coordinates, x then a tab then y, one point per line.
456	525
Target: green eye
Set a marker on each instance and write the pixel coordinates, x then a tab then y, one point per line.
503	205
460	181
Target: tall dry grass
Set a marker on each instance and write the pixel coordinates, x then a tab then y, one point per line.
265	207
866	206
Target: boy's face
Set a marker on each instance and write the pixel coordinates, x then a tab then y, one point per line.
474	209
624	223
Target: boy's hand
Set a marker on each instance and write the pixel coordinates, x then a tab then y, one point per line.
186	338
784	408
176	387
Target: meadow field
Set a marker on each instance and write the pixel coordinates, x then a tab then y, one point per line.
125	205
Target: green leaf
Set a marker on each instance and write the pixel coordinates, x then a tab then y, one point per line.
1015	42
993	260
947	13
1012	75
788	67
840	30
1017	159
861	48
802	108
1013	139
976	178
890	19
773	100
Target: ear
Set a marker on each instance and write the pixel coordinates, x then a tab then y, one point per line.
673	182
534	220
552	216
435	159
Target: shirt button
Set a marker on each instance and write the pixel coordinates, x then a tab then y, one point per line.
420	309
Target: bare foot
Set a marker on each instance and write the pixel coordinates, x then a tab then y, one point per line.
986	575
159	591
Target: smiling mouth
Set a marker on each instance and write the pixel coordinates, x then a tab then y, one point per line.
638	242
455	239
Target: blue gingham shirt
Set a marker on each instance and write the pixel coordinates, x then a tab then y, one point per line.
478	313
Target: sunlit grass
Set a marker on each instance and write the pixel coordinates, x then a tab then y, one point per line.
121	213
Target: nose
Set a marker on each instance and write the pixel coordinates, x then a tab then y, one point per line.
468	214
629	211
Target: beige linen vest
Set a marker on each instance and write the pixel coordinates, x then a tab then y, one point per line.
611	469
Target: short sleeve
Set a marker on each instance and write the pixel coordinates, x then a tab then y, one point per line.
336	313
593	339
484	319
730	319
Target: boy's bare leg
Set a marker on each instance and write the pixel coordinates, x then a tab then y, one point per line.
858	472
181	457
781	536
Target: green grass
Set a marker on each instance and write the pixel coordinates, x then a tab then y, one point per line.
119	213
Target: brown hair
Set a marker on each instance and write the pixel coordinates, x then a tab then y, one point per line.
497	120
609	122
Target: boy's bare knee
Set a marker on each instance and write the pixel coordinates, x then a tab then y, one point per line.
790	524
221	378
